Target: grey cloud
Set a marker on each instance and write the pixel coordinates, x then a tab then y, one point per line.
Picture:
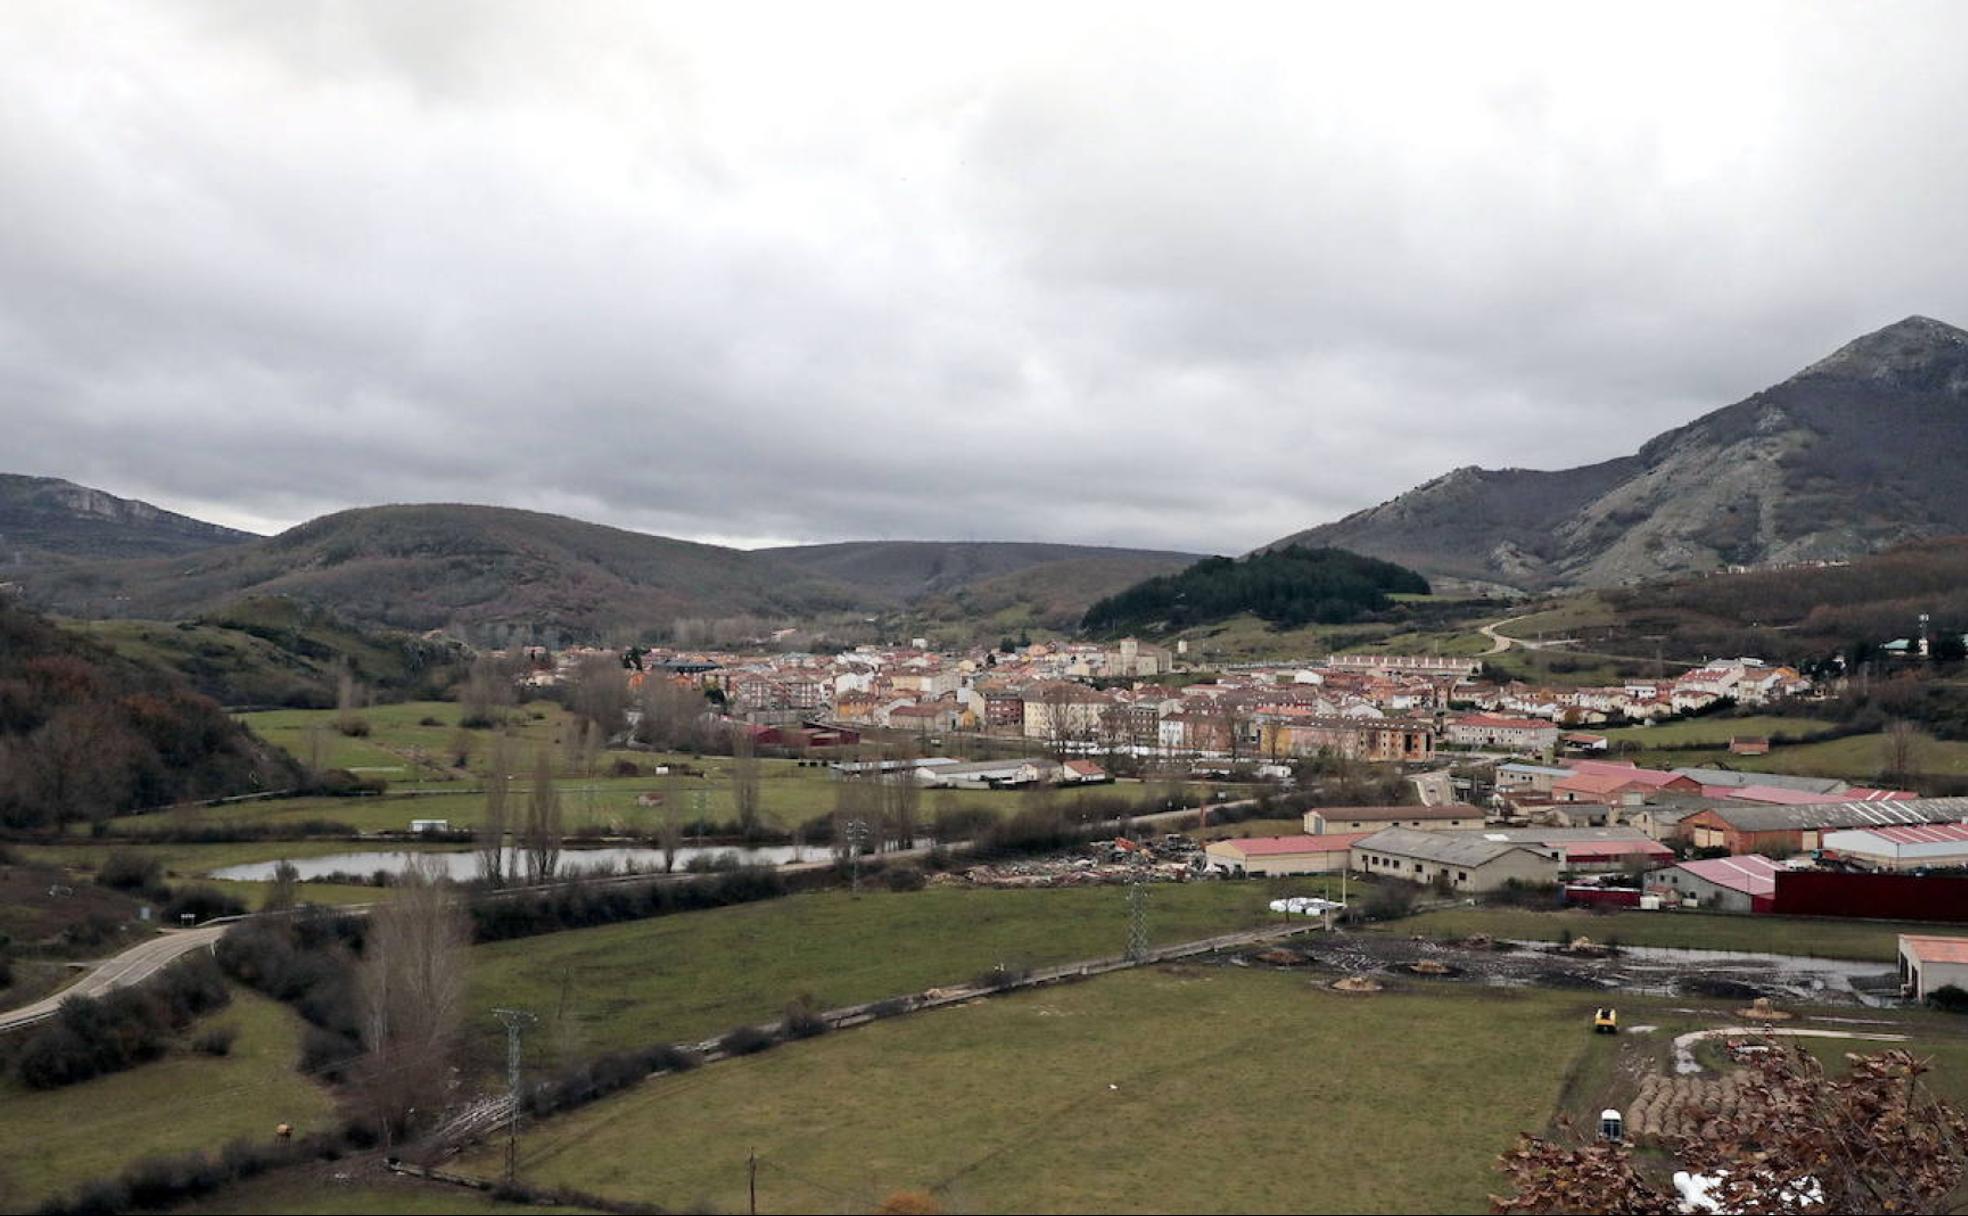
1097	275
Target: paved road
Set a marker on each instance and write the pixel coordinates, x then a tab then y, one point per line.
133	966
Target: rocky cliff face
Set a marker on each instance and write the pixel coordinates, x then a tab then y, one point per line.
1861	450
46	519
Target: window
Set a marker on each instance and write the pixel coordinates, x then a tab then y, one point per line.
1462	876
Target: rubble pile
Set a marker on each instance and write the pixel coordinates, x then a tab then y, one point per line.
1167	859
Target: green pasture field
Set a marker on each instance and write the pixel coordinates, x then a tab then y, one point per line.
1716	730
53	1140
1187	1088
695	975
1859	758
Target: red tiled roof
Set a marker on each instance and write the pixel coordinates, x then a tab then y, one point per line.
1751	873
1272	846
1493	722
1930	949
1599	783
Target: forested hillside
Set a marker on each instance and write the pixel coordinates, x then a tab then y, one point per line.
86	734
1286	587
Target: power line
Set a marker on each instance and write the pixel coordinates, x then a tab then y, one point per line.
515	1020
1137	904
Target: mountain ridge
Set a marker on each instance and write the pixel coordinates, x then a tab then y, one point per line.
45	520
492	573
1853	454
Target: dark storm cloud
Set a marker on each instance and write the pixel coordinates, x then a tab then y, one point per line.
1088	275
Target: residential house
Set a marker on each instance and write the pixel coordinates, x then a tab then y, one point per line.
1512	734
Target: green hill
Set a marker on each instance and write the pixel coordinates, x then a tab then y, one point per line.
272	651
1286	587
483	573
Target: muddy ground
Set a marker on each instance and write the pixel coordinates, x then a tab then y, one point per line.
1641	970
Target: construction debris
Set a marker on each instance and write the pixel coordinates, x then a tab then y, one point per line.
1167	859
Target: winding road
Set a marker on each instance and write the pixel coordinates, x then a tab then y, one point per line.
133	966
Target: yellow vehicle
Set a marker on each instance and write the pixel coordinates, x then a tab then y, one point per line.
1605	1021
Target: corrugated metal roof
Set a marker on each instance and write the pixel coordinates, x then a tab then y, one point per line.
1751	873
1842	814
1451	848
1730	777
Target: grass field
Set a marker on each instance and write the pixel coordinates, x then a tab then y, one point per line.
1716	730
789	796
1854	757
51	1140
424	784
1175	1089
1875	940
698	974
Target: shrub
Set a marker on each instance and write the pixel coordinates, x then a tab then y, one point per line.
1949	998
803	1021
1390	900
1001	977
905	878
124	870
427	720
354	728
202	904
216	1041
745	1041
91	1036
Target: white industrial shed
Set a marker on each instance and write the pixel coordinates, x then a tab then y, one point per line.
1901	847
1928	962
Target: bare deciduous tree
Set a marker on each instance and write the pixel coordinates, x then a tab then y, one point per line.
487	691
670	830
541	832
745	796
350	696
412	982
600	693
498	811
903	798
1900	752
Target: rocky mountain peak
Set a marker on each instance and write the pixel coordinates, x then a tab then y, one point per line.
1916	345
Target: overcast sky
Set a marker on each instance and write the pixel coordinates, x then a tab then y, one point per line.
1193	278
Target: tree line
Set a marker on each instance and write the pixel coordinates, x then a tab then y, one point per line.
1287	587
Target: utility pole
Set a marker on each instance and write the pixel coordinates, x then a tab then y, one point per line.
752	1179
515	1020
857	838
1137	898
